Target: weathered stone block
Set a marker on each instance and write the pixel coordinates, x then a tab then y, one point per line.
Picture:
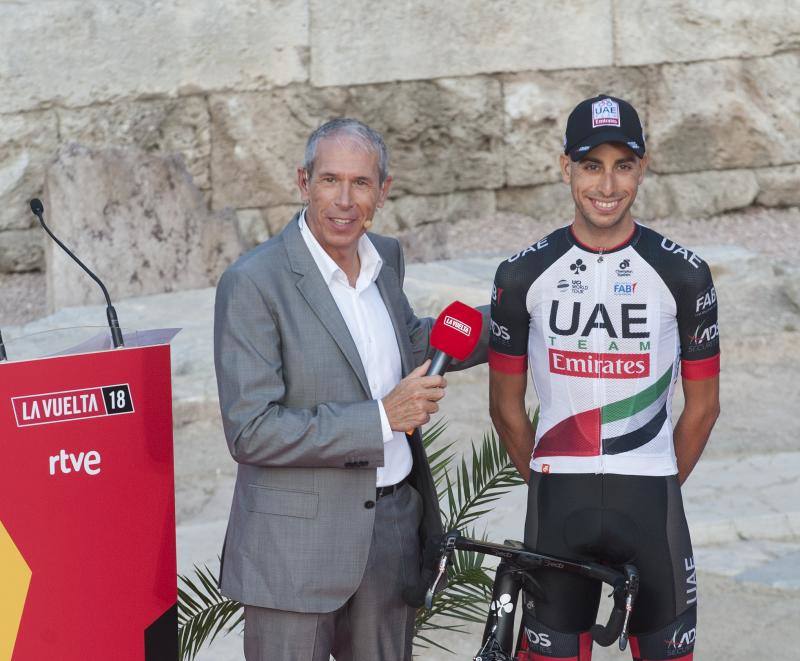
27	143
277	217
536	109
378	42
108	50
257	225
444	135
695	194
21	250
137	219
162	126
653	31
551	202
779	187
725	114
413	210
258	141
252	226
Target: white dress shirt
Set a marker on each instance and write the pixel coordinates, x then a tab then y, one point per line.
369	324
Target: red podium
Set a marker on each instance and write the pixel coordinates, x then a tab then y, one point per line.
87	508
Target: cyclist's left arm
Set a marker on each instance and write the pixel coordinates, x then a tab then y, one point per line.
698	329
700	412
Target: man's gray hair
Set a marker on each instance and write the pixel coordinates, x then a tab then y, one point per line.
352	128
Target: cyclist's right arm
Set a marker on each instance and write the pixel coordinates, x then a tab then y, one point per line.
508	358
510	419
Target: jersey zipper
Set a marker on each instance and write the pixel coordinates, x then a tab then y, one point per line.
599	348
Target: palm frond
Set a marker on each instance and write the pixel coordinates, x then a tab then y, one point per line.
203	612
489	475
440	458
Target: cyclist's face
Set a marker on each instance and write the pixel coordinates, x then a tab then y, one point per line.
342	193
604	184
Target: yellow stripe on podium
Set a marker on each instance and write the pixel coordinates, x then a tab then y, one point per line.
15	577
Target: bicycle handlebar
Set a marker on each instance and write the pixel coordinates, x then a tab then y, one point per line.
625	583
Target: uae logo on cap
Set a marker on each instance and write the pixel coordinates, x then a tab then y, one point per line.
605	112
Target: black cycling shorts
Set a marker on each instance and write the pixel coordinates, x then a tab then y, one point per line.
614	519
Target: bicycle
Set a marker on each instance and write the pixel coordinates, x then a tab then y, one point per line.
514	571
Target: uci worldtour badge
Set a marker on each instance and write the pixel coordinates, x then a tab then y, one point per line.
605	112
71	405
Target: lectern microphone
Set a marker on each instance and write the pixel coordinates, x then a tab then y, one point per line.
116	334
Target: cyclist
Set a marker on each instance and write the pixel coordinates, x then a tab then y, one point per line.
608	312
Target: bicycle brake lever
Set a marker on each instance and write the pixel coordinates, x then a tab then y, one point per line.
632	588
432	589
449	547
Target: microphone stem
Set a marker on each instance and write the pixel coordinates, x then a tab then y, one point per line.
111	313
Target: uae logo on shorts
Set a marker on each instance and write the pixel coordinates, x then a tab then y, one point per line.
605	112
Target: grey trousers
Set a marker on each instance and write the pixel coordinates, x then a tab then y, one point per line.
374	624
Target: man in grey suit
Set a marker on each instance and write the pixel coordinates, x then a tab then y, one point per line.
321	371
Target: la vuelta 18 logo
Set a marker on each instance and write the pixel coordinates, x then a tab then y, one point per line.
71	405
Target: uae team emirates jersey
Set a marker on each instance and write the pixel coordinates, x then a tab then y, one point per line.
606	335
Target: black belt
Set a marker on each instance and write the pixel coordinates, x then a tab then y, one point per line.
380	492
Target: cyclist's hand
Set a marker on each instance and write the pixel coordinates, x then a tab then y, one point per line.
414	399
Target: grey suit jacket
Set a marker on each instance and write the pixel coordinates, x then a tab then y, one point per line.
300	421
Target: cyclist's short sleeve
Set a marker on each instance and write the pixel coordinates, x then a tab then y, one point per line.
698	326
510	322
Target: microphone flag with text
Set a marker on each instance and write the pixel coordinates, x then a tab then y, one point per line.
454	335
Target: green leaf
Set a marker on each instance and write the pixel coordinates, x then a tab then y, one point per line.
203	612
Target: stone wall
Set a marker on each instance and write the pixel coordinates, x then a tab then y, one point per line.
472	96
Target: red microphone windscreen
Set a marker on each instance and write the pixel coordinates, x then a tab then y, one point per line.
457	330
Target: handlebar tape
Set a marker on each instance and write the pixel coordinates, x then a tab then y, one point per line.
606	635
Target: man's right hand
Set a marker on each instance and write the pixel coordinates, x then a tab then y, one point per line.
413	400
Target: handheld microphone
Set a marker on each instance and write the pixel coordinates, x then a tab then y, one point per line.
116	334
3	355
455	334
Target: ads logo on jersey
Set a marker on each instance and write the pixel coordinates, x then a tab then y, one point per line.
702	336
596	365
500	332
624	270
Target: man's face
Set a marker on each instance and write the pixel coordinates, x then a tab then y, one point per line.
342	193
604	183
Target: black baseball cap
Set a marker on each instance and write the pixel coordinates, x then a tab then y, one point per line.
599	120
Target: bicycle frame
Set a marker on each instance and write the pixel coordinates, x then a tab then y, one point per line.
515	565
